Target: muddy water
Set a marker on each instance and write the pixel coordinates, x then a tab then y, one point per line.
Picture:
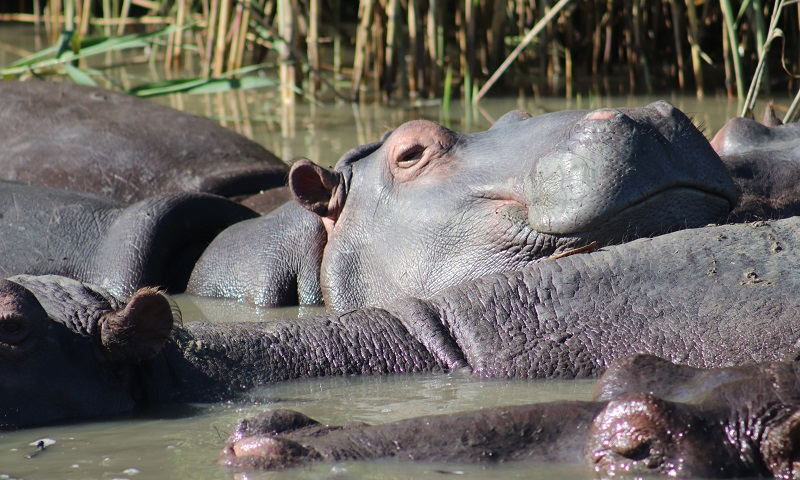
182	442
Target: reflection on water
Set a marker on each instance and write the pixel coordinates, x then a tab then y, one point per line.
183	442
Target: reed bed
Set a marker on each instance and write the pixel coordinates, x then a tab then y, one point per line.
420	50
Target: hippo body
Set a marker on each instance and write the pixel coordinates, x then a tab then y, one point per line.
288	240
97	240
709	297
92	140
427	208
741	428
764	161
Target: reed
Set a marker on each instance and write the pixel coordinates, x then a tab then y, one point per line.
424	49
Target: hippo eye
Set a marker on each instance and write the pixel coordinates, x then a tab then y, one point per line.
13	329
410	155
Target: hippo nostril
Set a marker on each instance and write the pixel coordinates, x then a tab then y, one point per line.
634	451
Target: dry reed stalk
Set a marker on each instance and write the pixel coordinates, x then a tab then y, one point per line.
524	43
733	44
468	65
312	42
232	39
126	8
413	66
221	37
242	41
286	30
433	30
107	15
392	12
337	42
693	35
211	32
362	36
639	51
86	10
677	33
378	33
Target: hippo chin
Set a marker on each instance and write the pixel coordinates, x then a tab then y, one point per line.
427	208
743	427
128	149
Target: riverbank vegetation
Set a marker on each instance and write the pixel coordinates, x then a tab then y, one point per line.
392	50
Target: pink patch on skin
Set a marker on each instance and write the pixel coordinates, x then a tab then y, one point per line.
258	446
602	115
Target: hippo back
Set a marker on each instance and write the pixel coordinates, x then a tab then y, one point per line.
92	140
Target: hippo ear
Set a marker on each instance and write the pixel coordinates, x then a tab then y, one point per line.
780	447
770	118
317	189
137	331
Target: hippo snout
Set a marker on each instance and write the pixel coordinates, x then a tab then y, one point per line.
623	167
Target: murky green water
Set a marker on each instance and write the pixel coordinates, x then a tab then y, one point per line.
183	442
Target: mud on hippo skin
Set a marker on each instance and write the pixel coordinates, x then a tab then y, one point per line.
91	140
764	161
122	248
745	427
427	208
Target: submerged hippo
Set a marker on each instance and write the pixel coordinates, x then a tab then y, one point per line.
741	428
92	140
709	297
427	208
764	161
123	248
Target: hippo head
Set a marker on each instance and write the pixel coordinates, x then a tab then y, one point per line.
53	370
427	207
641	435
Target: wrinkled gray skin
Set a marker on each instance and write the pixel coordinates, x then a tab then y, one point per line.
428	208
122	248
91	140
764	161
740	428
710	297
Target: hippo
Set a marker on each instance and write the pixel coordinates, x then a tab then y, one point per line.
740	428
711	297
128	149
764	162
427	208
97	240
